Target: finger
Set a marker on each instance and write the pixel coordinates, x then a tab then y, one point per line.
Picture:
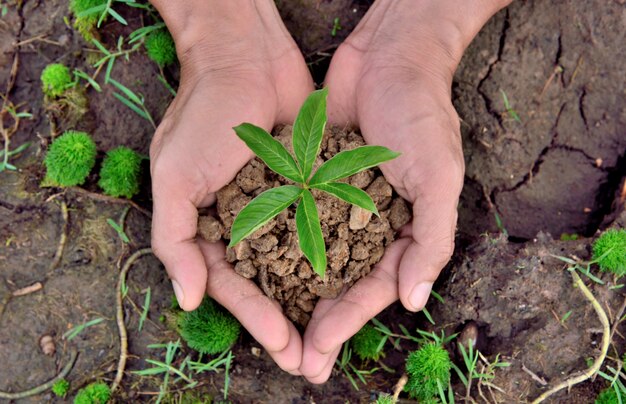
368	297
324	374
255	311
174	225
433	228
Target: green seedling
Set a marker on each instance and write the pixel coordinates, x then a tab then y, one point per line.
73	333
110	57
368	343
610	395
509	110
60	388
133	101
90	14
344	363
615	393
160	47
120	173
209	329
609	251
55	79
336	27
308	131
146	309
385	399
428	369
70	158
95	393
119	230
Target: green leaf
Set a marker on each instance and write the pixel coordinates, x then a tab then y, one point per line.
310	233
350	162
350	194
270	150
308	130
261	210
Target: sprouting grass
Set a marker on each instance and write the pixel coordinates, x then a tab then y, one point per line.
336	27
73	333
79	74
566	316
350	370
106	9
509	110
6	152
500	225
110	57
133	101
482	376
119	230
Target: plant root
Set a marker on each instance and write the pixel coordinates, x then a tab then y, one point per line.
119	303
111	199
62	240
28	289
43	387
606	339
399	387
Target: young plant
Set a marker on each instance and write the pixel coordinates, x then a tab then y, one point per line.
368	343
55	79
428	369
70	159
160	47
60	388
609	251
610	395
120	172
308	130
95	393
209	329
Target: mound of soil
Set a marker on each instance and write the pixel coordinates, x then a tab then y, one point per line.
355	239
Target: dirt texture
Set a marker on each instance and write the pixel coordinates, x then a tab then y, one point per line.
355	238
559	169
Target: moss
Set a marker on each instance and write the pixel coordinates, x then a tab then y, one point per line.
120	172
86	25
366	342
609	250
70	158
55	79
209	329
161	48
60	388
609	396
95	393
425	367
385	399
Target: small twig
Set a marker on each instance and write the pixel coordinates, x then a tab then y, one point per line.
62	240
28	289
606	331
534	376
617	317
111	199
119	302
43	387
399	387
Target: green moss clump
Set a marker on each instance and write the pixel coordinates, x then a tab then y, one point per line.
95	393
385	399
120	172
209	329
70	158
61	387
609	250
609	396
365	343
161	48
55	79
426	366
86	25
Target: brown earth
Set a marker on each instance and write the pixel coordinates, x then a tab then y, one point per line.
560	170
355	239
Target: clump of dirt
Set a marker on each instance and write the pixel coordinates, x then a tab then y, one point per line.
355	239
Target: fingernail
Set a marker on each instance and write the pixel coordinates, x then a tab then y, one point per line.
178	291
420	294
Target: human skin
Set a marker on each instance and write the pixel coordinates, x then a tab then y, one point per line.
392	78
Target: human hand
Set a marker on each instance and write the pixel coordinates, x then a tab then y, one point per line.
392	78
238	63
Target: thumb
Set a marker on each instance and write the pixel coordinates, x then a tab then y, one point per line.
174	226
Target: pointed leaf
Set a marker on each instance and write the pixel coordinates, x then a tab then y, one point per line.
270	150
308	130
350	162
261	210
310	233
350	194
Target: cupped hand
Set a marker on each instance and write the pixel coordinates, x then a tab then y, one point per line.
392	78
241	67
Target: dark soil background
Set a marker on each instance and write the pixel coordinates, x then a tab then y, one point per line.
559	169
